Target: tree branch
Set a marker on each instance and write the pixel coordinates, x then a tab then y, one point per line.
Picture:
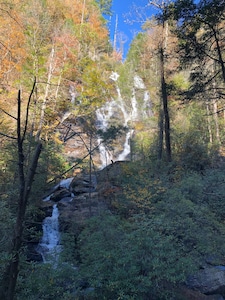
8	136
8	114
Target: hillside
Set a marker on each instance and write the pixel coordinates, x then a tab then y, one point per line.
119	163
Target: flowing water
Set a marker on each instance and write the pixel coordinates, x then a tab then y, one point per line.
49	247
129	111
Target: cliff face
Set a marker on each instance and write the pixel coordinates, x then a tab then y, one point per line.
116	120
76	142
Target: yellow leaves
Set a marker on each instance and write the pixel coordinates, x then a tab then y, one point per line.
56	138
97	88
139	126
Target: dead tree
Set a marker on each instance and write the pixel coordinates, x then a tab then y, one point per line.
25	183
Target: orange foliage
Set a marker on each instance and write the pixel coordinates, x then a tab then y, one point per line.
117	56
12	45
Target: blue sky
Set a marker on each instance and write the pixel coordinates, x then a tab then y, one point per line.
131	15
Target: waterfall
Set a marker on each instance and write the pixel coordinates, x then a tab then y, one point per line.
126	147
124	111
103	116
49	247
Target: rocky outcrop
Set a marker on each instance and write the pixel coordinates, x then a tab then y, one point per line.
85	195
184	293
210	280
83	183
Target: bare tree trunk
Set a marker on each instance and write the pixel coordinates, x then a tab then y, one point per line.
161	133
165	107
209	123
215	115
90	174
25	187
220	57
25	184
44	103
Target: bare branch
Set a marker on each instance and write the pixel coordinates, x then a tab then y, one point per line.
8	114
13	18
8	136
5	47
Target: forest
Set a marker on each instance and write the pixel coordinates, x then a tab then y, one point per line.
141	141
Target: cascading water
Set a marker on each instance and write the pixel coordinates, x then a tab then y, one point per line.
49	247
103	116
128	111
126	147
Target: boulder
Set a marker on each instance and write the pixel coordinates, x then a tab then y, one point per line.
60	194
184	293
83	183
210	280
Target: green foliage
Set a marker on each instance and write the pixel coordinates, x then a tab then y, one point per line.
169	230
112	133
163	227
178	84
214	192
105	6
97	88
45	282
194	152
130	261
136	50
6	226
125	81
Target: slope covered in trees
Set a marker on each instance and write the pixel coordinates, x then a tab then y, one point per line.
164	212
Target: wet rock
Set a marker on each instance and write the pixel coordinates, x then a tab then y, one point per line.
60	194
66	200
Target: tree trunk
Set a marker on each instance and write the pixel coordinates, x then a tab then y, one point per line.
24	190
209	123
165	107
220	58
44	103
161	131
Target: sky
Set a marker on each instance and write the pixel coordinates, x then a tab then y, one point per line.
131	15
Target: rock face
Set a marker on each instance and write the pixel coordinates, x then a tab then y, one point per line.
210	280
83	183
85	195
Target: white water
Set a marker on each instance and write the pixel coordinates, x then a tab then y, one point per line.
139	83
126	148
64	183
103	116
49	247
128	111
